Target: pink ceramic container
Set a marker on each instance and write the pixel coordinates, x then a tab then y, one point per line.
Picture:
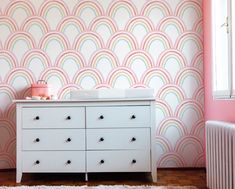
41	88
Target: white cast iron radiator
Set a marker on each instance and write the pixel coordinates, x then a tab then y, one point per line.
220	155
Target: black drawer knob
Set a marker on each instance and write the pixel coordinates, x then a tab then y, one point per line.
68	118
37	118
69	140
133	117
37	162
101	139
101	117
133	161
102	161
133	139
69	162
37	140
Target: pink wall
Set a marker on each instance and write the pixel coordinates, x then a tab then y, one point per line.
214	109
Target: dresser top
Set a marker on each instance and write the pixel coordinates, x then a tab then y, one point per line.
84	100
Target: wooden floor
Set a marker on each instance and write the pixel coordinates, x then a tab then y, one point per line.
182	177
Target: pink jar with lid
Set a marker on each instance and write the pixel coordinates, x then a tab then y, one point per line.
41	88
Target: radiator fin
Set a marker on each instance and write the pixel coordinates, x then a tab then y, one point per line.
220	155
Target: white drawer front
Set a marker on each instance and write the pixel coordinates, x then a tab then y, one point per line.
118	161
54	117
118	138
44	161
53	139
118	116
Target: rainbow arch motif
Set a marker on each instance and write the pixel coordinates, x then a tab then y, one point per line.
171	122
9	23
164	107
184	73
70	55
92	5
119	72
139	20
10	147
10	114
9	91
25	5
175	54
182	7
186	140
117	5
189	77
122	36
160	5
54	36
103	86
23	94
9	58
19	36
163	144
35	53
156	72
8	159
102	20
189	36
8	126
59	5
139	86
139	62
88	11
199	95
104	54
172	89
171	159
199	162
88	72
88	36
64	92
197	61
138	54
6	96
19	72
55	72
170	20
35	20
156	36
71	20
189	104
198	26
198	128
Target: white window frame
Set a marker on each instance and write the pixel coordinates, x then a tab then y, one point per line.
230	93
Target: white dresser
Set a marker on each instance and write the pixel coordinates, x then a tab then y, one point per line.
84	136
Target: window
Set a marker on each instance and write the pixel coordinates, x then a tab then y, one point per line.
222	32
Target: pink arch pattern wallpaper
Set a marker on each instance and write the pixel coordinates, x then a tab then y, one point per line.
91	44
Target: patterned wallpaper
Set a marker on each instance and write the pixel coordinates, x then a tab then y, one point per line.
79	44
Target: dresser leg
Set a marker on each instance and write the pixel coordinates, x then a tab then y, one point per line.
18	177
86	177
154	176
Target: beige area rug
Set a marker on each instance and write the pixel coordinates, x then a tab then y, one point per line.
100	187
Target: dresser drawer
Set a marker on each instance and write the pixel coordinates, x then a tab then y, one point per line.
118	116
53	117
118	161
53	139
118	139
43	161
